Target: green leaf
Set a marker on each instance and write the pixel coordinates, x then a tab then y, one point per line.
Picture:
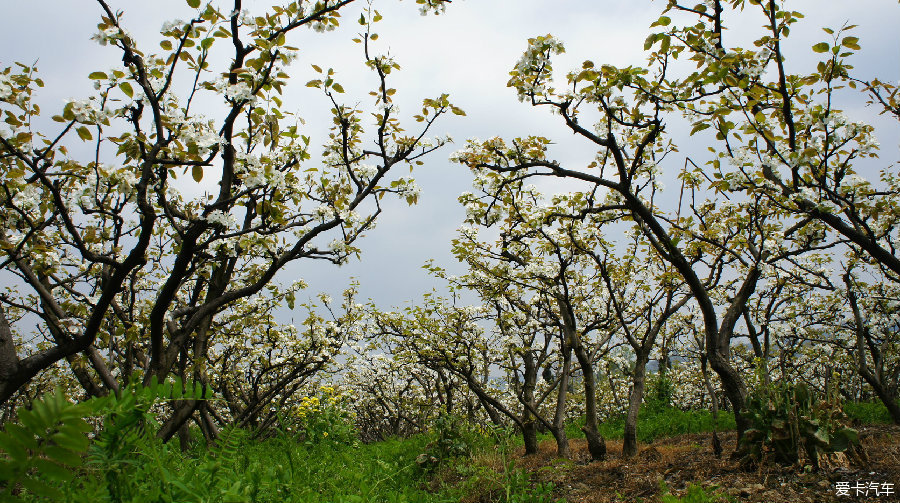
666	42
662	21
53	471
843	438
12	447
821	47
72	439
84	133
337	87
97	76
31	421
63	456
41	409
700	126
193	3
851	42
7	470
126	88
21	435
40	488
197	173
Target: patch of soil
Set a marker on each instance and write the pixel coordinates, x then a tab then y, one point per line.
688	459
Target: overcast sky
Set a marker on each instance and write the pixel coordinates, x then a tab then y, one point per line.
467	52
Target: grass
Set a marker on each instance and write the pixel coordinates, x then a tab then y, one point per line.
287	469
867	412
241	468
659	423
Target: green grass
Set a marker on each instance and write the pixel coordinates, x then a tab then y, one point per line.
867	412
659	423
240	468
668	421
137	467
694	494
286	469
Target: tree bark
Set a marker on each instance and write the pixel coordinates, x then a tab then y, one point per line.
529	423
714	406
629	442
596	443
558	430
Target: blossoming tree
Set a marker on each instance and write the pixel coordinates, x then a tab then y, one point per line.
783	157
119	252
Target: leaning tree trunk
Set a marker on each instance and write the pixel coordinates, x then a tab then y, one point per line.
596	443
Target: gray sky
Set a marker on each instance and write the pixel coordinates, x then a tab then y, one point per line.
467	52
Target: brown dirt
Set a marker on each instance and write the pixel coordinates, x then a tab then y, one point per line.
688	459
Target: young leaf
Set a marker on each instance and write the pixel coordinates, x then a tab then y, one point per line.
84	133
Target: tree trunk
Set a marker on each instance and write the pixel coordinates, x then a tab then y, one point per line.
596	443
734	387
529	424
558	430
183	411
862	337
888	399
714	405
529	435
629	443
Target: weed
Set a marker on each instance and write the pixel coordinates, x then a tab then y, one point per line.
695	494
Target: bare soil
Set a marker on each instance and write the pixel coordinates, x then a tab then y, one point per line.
688	459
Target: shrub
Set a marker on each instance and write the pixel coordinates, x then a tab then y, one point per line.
454	437
788	423
323	418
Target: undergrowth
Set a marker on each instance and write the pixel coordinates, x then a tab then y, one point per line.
50	457
867	412
659	423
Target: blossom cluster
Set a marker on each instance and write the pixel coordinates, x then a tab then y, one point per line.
533	70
